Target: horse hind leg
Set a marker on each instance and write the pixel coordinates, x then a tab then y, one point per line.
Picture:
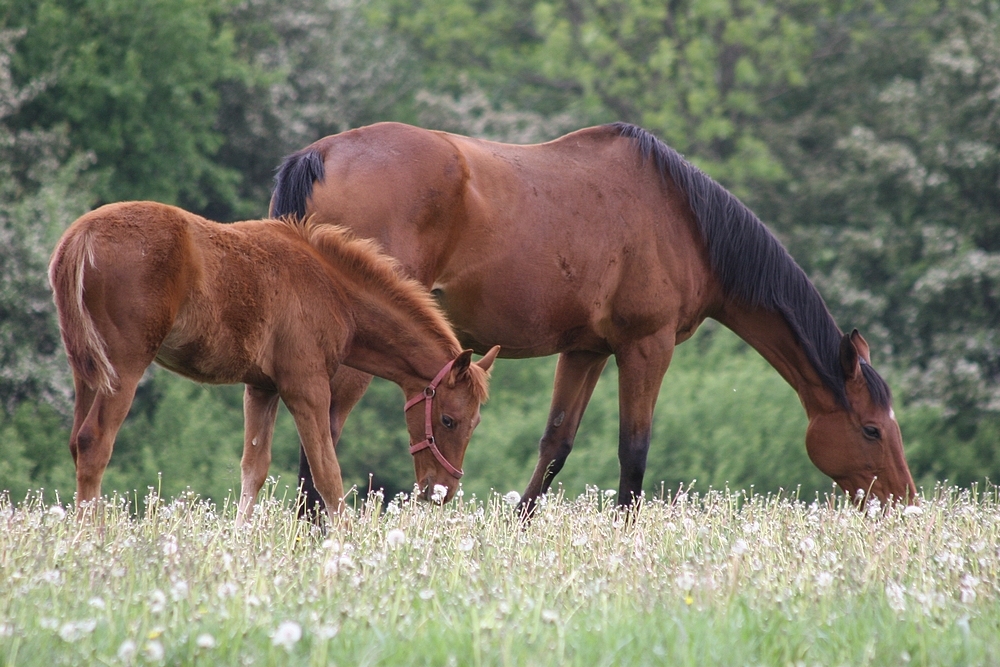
92	441
577	374
260	409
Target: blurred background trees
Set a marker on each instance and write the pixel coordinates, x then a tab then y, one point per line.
865	134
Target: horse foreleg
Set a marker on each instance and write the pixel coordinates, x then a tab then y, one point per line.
260	409
576	376
641	367
92	441
310	407
346	389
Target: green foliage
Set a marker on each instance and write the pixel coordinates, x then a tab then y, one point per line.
134	83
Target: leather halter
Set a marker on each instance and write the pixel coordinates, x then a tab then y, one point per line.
428	443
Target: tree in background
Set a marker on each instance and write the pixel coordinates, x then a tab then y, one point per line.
894	207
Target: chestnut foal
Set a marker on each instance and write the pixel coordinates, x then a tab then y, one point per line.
278	305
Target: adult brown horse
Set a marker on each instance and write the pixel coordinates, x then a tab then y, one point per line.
275	304
604	241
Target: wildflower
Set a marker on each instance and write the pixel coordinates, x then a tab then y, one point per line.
807	545
205	641
895	595
740	547
73	631
440	491
51	577
97	603
287	635
751	528
426	594
466	544
127	650
227	590
327	631
579	540
57	512
967	588
395	538
549	616
685	581
512	498
609	493
913	510
154	651
170	547
157	601
824	579
179	590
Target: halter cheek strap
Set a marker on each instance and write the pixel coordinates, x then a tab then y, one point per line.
428	395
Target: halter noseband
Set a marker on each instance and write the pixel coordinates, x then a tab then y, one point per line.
428	395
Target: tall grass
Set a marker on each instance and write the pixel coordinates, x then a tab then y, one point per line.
720	578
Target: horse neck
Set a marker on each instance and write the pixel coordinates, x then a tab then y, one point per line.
391	343
769	333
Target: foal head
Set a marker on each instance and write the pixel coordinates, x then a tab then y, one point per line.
438	444
861	446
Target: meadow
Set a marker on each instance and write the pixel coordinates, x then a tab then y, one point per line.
719	578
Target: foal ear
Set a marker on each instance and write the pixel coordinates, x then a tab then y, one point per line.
462	362
850	360
487	361
862	346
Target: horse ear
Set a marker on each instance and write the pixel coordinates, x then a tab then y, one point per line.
487	361
850	360
462	362
861	345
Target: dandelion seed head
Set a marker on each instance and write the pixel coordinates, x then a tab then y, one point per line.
205	641
395	538
127	650
154	651
287	635
512	498
439	493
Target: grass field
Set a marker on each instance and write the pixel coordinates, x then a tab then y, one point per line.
714	579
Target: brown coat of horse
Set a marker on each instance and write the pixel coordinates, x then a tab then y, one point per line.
277	305
602	242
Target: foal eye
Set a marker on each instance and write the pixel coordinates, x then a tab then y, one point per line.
872	432
447	421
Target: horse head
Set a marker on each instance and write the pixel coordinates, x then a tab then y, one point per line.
860	446
441	430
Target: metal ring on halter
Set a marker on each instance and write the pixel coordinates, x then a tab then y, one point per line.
429	443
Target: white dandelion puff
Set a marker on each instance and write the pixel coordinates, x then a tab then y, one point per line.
287	635
395	538
512	498
205	641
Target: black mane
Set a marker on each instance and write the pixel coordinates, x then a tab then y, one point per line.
754	267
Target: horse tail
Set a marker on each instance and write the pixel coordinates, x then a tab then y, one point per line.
85	347
293	183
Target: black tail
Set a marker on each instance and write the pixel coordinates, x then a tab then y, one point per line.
293	183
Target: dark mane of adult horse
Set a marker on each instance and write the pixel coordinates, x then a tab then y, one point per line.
754	267
746	279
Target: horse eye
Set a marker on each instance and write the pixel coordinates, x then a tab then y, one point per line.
447	421
872	432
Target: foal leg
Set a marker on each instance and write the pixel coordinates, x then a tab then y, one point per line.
260	409
641	367
309	403
346	389
576	375
92	441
